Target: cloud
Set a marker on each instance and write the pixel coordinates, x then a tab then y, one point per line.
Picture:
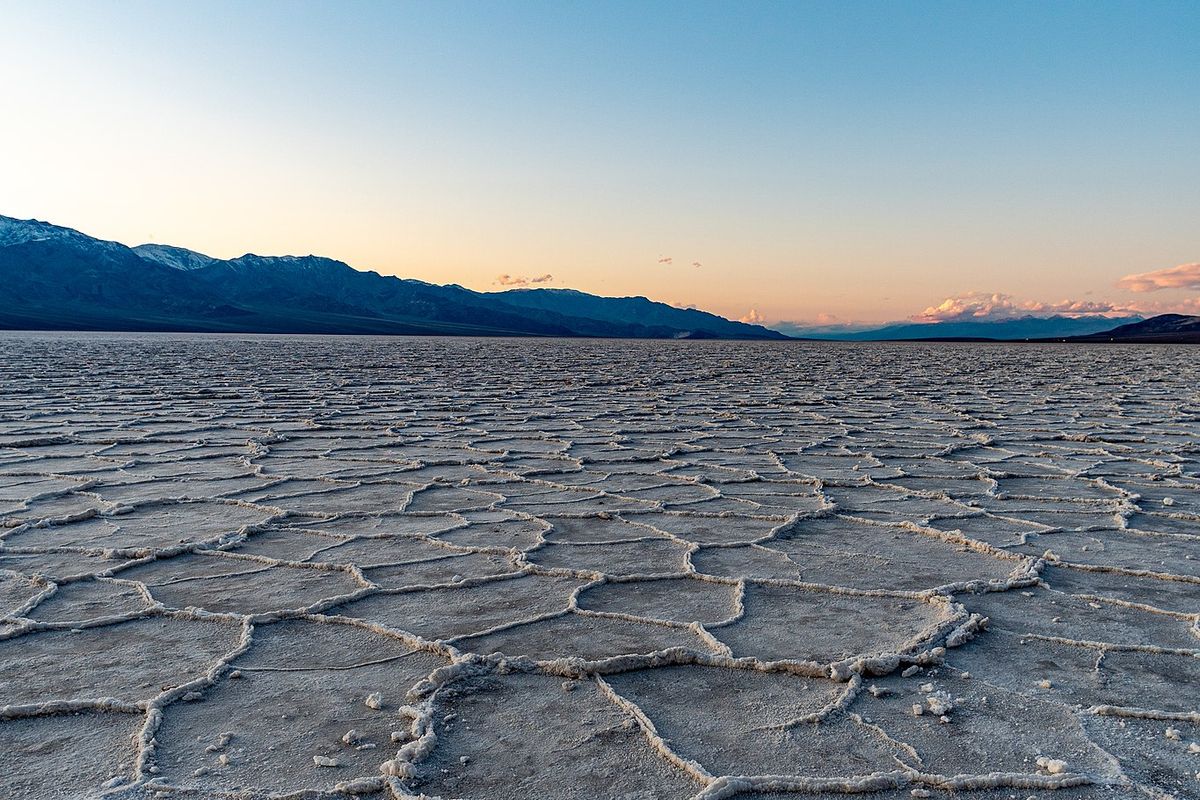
1190	305
697	264
998	306
1184	276
666	260
521	280
752	317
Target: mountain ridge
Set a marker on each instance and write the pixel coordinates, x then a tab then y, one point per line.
1020	328
59	278
1164	328
54	277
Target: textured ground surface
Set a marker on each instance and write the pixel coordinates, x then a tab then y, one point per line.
250	568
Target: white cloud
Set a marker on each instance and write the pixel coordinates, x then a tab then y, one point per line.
520	280
752	317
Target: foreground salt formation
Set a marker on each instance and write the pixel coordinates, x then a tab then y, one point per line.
330	568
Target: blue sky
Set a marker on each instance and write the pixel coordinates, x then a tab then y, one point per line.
847	161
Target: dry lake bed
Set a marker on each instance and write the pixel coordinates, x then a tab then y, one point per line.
257	567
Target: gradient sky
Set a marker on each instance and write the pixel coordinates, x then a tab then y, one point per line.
853	160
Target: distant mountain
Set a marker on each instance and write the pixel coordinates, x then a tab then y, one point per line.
58	278
1170	328
1028	327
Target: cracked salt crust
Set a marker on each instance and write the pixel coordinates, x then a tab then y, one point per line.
249	567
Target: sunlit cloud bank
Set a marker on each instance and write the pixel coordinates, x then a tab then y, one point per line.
752	317
1184	276
999	307
981	306
521	280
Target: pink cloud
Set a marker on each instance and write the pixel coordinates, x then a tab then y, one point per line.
521	280
752	317
997	305
665	260
1184	276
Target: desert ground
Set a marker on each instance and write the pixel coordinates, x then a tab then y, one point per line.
265	567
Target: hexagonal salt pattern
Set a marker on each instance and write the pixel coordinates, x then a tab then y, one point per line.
257	567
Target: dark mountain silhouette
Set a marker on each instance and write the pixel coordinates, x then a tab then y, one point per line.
1165	328
620	310
58	278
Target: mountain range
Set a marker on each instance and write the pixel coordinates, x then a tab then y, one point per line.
57	278
52	277
1012	329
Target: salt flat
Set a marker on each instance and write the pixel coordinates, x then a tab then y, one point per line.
251	567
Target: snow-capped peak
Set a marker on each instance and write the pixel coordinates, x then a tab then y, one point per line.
175	257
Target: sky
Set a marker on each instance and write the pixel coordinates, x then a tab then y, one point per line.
818	162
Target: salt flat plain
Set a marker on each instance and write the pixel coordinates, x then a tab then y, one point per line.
252	567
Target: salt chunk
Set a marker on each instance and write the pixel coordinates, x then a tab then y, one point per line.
351	737
908	673
1054	766
325	761
918	709
464	759
374	701
920	793
1174	734
939	704
1045	684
